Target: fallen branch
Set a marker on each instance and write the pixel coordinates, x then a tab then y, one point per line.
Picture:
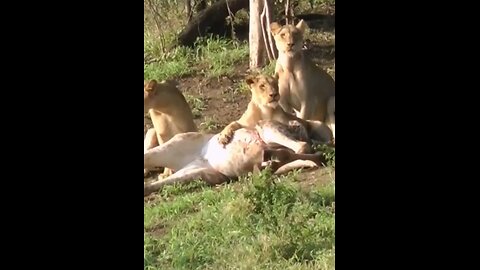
210	20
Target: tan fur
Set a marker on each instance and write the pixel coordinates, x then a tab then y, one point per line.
169	111
305	88
264	106
196	155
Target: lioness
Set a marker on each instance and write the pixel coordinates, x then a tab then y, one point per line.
305	88
169	111
264	105
197	155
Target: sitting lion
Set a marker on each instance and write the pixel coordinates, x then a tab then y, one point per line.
264	105
169	111
305	88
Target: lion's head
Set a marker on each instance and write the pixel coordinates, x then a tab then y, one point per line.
264	90
156	95
288	38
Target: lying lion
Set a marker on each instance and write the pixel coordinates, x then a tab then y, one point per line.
264	105
197	155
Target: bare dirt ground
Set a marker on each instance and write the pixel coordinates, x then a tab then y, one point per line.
224	104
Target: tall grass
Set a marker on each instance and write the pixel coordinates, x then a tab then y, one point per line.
262	222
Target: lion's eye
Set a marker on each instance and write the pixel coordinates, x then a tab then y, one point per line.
282	35
262	86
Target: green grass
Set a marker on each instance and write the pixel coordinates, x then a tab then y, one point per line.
219	56
269	69
212	57
209	125
175	64
197	105
328	152
260	222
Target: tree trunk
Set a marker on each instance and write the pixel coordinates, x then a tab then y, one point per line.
259	43
210	20
257	48
188	9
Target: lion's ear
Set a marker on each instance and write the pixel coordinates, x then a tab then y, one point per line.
250	79
151	85
302	26
275	28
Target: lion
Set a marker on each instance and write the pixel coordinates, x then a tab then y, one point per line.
169	111
264	105
200	156
305	89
